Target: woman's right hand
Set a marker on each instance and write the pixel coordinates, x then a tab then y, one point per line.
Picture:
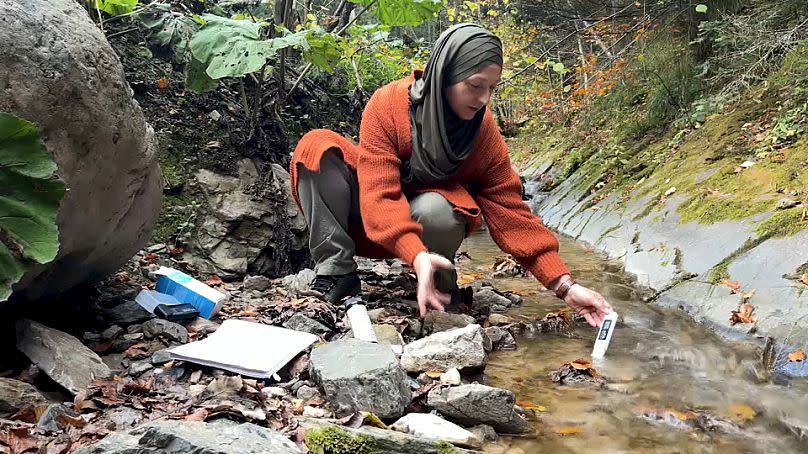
429	297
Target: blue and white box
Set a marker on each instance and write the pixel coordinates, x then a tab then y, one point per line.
184	288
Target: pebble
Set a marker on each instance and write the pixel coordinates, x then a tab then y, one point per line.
112	332
306	392
498	319
450	377
275	391
139	367
161	357
315	412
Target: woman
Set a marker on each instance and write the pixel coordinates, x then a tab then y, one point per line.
430	161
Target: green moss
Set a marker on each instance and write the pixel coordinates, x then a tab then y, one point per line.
333	440
719	272
443	447
783	223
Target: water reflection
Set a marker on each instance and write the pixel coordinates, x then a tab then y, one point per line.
657	358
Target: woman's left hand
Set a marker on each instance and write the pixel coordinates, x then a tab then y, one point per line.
590	304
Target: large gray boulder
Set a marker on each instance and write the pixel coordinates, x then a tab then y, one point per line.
457	348
250	221
194	437
59	71
479	404
357	375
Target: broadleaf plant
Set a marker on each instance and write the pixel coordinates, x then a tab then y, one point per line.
115	7
399	13
30	194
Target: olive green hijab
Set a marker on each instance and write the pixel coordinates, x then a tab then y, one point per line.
441	140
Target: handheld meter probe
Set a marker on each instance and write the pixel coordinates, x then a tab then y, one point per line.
604	335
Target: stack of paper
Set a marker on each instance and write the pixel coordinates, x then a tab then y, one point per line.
246	348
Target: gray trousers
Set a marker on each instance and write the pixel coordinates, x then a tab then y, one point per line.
330	199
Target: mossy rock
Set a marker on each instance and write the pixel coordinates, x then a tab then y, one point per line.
331	440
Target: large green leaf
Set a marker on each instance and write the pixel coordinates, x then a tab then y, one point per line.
325	50
30	193
403	12
233	48
168	29
116	7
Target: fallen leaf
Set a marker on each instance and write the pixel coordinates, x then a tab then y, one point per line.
137	351
467	278
742	315
741	413
300	365
30	414
581	364
149	258
214	280
796	356
433	374
19	440
372	420
58	447
353	421
569	431
805	279
247	313
175	250
530	406
162	83
733	285
746	296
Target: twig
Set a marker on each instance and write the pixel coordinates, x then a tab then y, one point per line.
100	17
122	32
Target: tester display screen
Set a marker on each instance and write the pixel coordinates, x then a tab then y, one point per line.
604	329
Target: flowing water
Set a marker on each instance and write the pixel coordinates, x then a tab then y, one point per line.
657	359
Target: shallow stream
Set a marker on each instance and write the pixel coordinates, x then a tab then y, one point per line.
658	359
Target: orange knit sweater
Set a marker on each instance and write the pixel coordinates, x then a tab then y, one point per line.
485	184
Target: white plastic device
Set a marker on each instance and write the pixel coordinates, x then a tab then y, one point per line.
604	335
361	325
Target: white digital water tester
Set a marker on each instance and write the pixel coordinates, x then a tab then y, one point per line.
604	335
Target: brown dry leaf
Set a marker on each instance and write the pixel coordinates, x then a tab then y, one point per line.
247	313
300	365
372	420
581	364
746	296
805	279
464	279
433	374
175	250
569	431
353	421
29	414
214	280
121	278
67	420
741	413
530	406
682	416
149	258
137	351
162	83
19	440
742	315
734	286
61	447
198	415
796	356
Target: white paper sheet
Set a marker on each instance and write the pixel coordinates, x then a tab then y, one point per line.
246	348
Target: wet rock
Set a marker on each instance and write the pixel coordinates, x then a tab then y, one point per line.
123	343
459	348
784	204
139	367
498	320
202	326
112	332
259	283
192	437
384	441
51	419
160	357
92	337
479	404
433	427
16	394
487	300
388	335
124	417
356	375
300	322
53	55
501	339
163	329
61	356
435	322
484	432
126	313
134	329
296	283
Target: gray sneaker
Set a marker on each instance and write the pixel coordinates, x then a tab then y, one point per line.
334	288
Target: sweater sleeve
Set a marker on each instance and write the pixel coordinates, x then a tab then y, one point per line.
384	208
514	228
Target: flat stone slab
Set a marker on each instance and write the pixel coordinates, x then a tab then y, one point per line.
479	404
427	425
459	348
60	356
360	376
194	437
